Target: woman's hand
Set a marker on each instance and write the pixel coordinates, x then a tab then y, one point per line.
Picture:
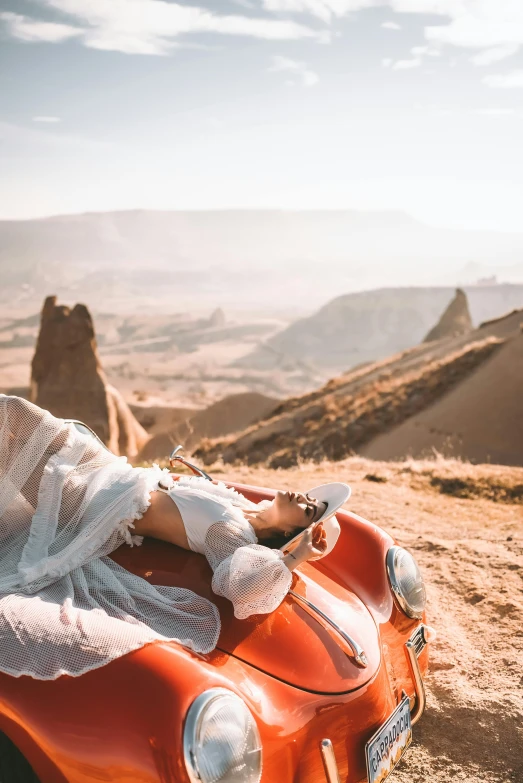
319	540
312	544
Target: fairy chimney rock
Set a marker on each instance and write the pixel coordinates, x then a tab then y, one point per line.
67	378
455	320
217	317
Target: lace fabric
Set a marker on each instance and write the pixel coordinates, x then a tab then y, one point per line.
253	577
65	504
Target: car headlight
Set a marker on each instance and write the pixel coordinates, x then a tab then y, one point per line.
406	581
221	742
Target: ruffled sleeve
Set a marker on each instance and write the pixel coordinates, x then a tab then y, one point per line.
253	577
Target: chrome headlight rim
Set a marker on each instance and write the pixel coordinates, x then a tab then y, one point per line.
193	723
395	585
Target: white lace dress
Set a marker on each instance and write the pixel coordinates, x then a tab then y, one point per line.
65	504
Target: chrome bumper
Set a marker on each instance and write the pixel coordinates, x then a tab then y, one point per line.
329	761
413	649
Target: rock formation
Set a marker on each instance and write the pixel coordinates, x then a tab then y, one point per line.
67	379
455	320
217	318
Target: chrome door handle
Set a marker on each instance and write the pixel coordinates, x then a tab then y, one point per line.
358	652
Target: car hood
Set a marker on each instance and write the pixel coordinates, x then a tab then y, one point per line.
294	643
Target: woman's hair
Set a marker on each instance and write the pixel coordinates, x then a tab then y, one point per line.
278	540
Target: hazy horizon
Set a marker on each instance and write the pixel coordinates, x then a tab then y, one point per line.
278	260
391	211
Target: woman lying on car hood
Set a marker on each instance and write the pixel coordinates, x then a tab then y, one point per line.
66	503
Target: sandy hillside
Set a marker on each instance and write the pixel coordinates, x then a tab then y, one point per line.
481	417
465	526
460	395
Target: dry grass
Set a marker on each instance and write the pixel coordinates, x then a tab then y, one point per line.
462	480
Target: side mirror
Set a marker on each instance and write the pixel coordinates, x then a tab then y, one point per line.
175	457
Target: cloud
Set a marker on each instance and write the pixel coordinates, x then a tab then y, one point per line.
40	138
418	53
46	118
402	65
31	30
428	51
504	81
476	24
488	56
318	8
498	112
497	25
147	26
285	64
391	26
155	26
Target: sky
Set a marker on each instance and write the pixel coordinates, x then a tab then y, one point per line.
412	105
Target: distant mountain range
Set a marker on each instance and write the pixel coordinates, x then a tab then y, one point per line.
273	259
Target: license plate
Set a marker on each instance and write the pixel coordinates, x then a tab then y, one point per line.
387	746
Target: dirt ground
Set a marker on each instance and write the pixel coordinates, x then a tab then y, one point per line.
470	549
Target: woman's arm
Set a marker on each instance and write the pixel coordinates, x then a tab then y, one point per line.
313	543
253	577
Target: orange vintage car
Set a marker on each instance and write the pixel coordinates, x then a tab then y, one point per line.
325	689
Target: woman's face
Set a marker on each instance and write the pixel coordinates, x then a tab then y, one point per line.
293	509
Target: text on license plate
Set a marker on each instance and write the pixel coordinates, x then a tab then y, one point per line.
390	742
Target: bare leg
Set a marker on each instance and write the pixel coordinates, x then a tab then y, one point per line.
162	520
